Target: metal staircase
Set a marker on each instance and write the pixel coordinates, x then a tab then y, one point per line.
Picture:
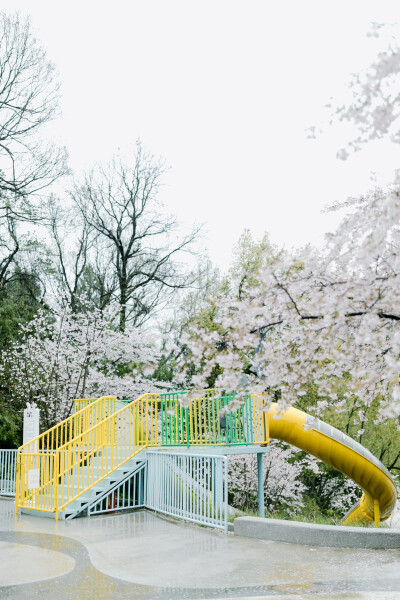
64	471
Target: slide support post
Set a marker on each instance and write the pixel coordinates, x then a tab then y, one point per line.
376	513
261	507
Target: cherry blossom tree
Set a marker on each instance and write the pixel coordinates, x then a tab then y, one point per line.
76	356
372	103
317	317
326	319
285	490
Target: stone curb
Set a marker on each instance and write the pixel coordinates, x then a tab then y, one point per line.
308	534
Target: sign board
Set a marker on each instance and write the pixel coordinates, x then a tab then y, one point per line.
33	479
31	423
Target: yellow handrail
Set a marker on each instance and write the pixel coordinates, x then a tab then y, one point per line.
90	457
37	460
97	409
80	403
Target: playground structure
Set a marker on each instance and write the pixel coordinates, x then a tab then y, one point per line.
153	452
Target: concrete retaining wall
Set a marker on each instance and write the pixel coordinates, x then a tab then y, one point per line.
295	532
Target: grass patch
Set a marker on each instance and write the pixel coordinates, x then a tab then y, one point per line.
311	513
306	516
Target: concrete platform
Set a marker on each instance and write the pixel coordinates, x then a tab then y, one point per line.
309	534
140	555
222	450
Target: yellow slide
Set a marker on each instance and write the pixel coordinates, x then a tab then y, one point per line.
344	454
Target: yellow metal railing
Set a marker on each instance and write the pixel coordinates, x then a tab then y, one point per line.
90	457
80	403
38	460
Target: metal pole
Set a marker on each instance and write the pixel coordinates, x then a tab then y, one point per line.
261	507
377	516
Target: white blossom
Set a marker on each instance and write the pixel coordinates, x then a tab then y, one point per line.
317	317
65	355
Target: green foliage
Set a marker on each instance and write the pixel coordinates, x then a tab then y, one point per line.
310	513
249	256
165	369
361	422
10	428
19	302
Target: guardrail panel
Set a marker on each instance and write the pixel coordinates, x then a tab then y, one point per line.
202	424
192	487
8	465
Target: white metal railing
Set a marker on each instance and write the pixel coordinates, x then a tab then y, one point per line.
193	487
8	463
127	495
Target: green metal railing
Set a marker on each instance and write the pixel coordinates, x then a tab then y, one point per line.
201	424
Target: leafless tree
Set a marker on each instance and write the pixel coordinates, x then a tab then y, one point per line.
81	269
28	99
9	245
120	203
69	247
21	259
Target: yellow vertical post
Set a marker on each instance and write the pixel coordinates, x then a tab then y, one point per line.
156	399
265	432
23	478
104	434
17	481
377	513
56	471
151	420
147	420
113	424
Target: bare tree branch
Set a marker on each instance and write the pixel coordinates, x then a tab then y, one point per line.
120	204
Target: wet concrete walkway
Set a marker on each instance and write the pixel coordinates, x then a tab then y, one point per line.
141	556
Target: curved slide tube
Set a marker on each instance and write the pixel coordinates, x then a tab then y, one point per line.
344	454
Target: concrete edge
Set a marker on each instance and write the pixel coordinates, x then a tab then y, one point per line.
309	534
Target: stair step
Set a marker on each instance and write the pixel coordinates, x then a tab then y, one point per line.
76	479
43	513
106	484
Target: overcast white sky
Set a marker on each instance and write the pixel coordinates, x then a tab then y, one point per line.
223	90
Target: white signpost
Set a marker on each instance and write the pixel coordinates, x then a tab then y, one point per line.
31	422
31	431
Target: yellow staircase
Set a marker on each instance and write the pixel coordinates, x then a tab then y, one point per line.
61	471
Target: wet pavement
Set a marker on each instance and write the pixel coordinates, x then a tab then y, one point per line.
140	555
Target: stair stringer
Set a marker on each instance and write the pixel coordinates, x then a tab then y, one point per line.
99	491
127	501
